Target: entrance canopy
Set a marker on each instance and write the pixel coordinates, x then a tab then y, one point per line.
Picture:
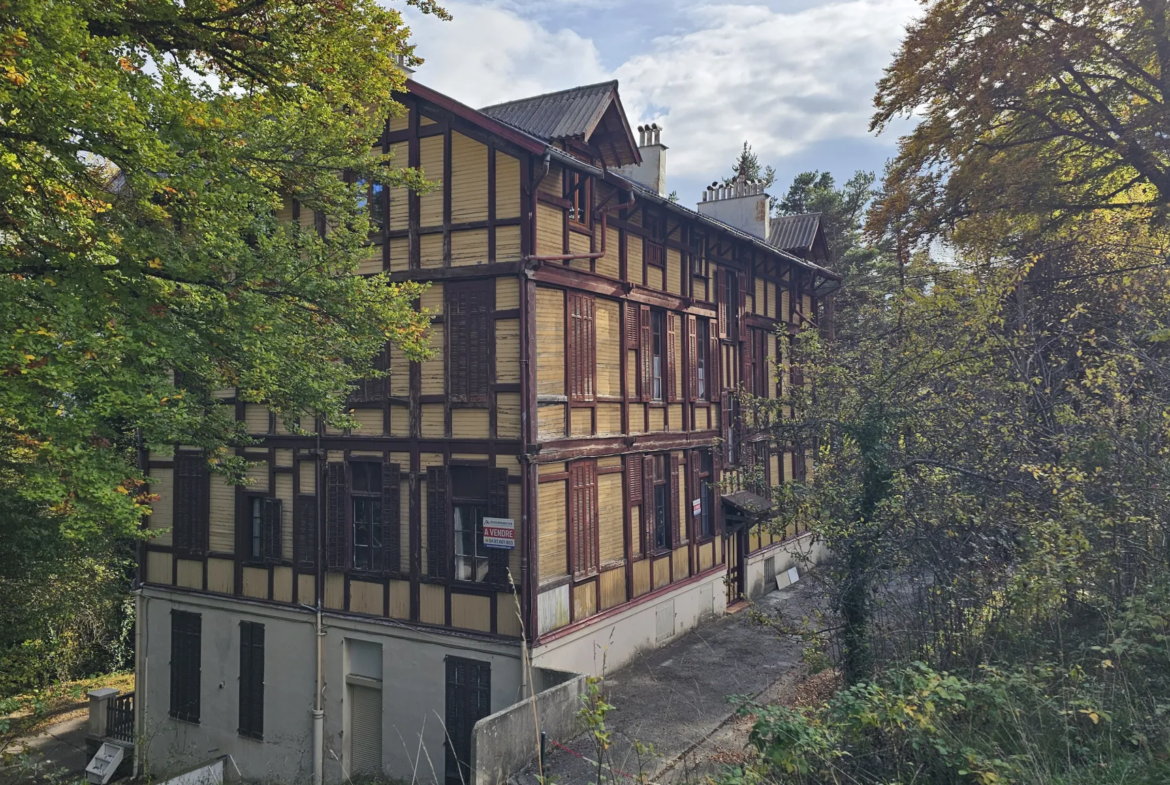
742	509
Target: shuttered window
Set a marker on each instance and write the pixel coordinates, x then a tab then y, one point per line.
366	515
437	521
251	680
657	355
470	337
262	529
362	517
655	254
583	518
700	372
468	700
336	518
476	493
374	390
305	533
671	356
582	348
186	640
192	503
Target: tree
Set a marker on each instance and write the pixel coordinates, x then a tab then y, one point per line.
747	167
148	152
1045	109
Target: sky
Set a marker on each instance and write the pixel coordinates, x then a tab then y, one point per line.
795	78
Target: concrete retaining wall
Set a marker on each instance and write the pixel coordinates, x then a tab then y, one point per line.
801	552
505	742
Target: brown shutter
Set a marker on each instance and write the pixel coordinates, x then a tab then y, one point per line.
724	425
336	517
192	503
576	520
749	362
457	354
391	517
646	351
671	358
498	508
672	504
437	521
721	301
648	501
694	491
632	333
583	517
273	546
582	348
634	478
589	475
741	313
305	539
692	358
481	340
714	375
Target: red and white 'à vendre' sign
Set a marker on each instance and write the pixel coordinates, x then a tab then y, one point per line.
499	533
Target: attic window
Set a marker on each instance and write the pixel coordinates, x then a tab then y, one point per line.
577	192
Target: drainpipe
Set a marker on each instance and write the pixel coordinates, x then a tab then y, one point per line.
318	699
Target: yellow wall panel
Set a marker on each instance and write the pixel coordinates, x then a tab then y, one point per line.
469	247
470	424
399	254
256	583
706	555
282	582
222	522
641	577
432	604
469	179
221	576
159	567
307	589
657	419
550	348
508	351
507	293
399	599
284	492
634	258
675	411
433	425
507	615
369	422
613	587
637	418
432	298
550	421
507	243
661	572
655	277
507	186
682	563
433	371
550	230
162	512
189	574
508	416
673	272
609	264
584	600
430	250
430	205
335	590
610	502
400	122
471	612
609	347
308	470
551	530
366	597
400	371
399	420
581	422
609	418
372	262
256	418
400	196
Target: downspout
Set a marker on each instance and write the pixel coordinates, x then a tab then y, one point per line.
318	699
546	161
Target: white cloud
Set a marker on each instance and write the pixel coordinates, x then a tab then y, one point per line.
783	81
718	74
490	54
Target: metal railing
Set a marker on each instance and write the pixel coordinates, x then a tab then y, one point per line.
120	718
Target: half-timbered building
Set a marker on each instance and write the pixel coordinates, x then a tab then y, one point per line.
565	483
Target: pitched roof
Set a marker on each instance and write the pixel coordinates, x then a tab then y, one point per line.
568	113
794	233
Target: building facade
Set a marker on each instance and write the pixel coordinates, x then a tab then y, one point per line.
346	611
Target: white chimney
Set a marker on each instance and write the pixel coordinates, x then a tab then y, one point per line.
400	61
742	204
652	171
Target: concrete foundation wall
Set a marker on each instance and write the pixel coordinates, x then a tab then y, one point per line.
505	742
800	552
606	645
414	690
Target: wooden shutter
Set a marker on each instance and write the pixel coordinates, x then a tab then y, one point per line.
646	351
671	358
305	536
725	425
714	375
692	358
186	666
721	302
366	729
251	680
634	478
273	541
498	508
648	511
336	516
741	305
673	502
633	335
695	491
192	503
468	700
582	348
391	517
469	339
583	517
749	362
437	521
373	390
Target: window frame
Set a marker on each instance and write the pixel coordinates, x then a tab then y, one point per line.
584	528
578	193
253	504
581	315
186	638
482	502
658	350
371	500
702	361
663	520
250	723
462	367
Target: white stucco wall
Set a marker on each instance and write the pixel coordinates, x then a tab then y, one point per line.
414	689
797	552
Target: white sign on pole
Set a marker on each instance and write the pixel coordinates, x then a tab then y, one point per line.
499	533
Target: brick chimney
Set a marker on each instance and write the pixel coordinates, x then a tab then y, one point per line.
742	204
651	173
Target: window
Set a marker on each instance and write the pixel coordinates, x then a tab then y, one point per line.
192	503
661	502
372	197
577	192
251	680
583	518
582	348
373	390
702	337
470	338
476	492
730	306
366	501
706	495
186	640
256	527
655	254
658	342
468	700
471	557
261	532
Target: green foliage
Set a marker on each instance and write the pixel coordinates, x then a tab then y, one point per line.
747	167
592	714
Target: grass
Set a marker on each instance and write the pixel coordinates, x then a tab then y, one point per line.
26	714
